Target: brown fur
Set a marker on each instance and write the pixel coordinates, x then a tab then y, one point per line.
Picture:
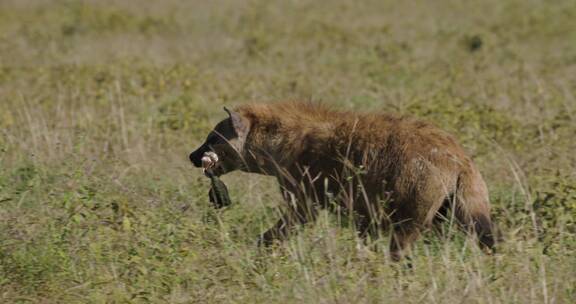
385	170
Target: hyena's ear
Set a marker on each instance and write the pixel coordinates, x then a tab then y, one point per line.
240	124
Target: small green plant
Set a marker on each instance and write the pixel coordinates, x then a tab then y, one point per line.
102	101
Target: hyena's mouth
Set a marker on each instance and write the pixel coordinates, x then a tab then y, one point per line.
211	164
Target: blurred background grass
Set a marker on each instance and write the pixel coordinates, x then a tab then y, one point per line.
101	102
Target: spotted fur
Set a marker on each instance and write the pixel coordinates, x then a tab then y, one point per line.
387	172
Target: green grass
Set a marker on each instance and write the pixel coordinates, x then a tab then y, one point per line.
101	102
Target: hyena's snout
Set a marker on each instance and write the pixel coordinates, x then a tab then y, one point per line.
196	156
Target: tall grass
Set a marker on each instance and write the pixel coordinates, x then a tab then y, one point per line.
101	102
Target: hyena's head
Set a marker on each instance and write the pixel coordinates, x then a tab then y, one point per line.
227	140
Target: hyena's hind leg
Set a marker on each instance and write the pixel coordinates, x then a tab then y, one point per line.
405	228
444	215
411	216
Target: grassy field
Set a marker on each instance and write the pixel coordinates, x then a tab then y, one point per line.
102	101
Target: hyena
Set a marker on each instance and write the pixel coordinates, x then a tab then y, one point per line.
386	171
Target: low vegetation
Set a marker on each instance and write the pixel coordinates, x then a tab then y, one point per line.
101	102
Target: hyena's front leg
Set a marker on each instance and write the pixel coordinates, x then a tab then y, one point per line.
299	210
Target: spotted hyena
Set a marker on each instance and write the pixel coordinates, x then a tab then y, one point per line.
386	171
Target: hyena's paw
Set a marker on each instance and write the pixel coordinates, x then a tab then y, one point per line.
269	238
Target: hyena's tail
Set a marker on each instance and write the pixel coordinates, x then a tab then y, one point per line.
472	207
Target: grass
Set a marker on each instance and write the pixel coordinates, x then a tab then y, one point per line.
101	102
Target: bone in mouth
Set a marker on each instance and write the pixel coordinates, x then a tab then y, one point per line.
209	160
218	193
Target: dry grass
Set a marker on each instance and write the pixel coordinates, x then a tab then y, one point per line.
101	102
